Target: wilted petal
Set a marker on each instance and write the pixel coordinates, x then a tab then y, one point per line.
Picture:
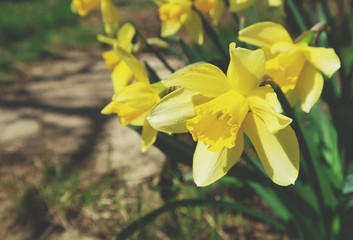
148	136
265	34
246	68
205	78
209	166
324	59
171	113
279	153
309	86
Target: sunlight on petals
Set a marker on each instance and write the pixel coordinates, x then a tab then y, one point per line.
241	73
148	136
264	34
172	112
309	86
136	67
110	16
205	78
324	59
209	166
121	76
279	153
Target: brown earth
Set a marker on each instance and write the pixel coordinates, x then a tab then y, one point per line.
51	117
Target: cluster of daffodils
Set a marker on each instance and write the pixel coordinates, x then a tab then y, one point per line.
177	13
217	108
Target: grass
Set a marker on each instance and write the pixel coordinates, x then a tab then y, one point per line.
35	29
103	205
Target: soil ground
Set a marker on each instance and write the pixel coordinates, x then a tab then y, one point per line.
51	116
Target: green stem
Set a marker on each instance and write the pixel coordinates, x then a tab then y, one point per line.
332	37
148	218
212	34
298	17
151	48
310	162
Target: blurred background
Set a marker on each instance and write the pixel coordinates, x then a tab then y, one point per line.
68	172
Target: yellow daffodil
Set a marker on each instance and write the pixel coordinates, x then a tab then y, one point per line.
216	109
177	13
294	67
133	102
238	5
213	7
121	75
109	12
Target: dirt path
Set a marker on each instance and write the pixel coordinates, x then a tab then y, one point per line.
52	116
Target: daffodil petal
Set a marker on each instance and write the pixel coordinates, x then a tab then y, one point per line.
170	28
137	95
216	13
259	105
111	59
136	67
324	59
140	119
148	136
110	108
279	153
194	27
83	7
110	16
130	114
205	78
265	34
126	113
245	69
309	86
275	3
171	112
121	76
125	35
265	95
209	166
292	97
238	5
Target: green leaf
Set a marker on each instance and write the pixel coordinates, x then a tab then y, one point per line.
276	204
190	52
143	221
348	185
152	75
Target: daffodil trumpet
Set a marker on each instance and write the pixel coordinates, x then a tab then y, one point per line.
217	109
